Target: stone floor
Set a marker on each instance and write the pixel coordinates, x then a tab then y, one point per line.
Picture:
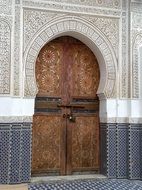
14	187
88	184
80	182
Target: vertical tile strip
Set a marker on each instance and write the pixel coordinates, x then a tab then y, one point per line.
103	148
135	151
25	172
122	150
15	154
112	151
4	153
140	151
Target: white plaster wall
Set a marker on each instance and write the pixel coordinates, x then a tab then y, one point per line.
121	111
124	108
111	110
16	106
136	108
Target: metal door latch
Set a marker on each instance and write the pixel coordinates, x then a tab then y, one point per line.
71	118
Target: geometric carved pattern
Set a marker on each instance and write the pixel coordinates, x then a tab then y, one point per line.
46	153
103	3
86	72
109	27
14	167
5	7
56	6
137	43
76	24
5	57
17	51
48	70
33	21
85	153
125	74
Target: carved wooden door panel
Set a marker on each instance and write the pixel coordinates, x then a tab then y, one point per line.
66	120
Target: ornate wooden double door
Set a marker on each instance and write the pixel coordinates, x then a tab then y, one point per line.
66	119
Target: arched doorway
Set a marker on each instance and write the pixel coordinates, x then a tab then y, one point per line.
66	119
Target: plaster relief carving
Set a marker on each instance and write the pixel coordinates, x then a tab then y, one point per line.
115	4
137	20
110	27
136	7
17	48
5	6
124	73
77	25
125	88
34	20
71	8
136	44
5	57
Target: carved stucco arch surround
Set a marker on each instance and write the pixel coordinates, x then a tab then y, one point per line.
85	32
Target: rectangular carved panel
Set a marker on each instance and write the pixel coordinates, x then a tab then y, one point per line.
46	144
85	72
85	143
5	57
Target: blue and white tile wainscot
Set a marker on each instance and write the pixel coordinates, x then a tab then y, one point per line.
15	153
121	150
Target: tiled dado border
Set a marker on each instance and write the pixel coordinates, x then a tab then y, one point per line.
15	152
121	150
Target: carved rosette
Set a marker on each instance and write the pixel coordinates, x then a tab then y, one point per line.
48	69
86	73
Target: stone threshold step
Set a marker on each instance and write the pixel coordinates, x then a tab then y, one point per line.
64	178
